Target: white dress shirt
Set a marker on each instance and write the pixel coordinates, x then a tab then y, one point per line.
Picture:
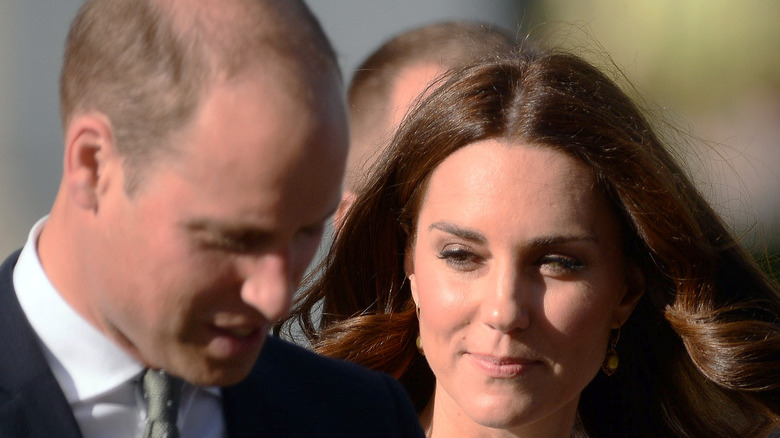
99	380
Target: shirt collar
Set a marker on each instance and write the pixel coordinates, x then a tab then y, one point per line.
87	368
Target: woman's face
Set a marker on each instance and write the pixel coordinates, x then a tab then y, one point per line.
518	270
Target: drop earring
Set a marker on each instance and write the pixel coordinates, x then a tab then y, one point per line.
612	360
419	339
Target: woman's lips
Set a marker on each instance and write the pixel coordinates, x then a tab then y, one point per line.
502	367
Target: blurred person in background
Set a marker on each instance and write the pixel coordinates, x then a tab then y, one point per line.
387	84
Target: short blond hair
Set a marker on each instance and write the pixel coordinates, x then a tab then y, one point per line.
146	64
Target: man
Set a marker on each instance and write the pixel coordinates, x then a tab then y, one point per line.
402	70
204	146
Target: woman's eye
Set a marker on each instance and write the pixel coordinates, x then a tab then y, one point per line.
460	258
559	265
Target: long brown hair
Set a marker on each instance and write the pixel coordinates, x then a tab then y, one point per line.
700	355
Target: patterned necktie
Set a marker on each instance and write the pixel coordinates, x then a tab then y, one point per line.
161	392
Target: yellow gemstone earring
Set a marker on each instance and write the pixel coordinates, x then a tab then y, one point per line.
612	360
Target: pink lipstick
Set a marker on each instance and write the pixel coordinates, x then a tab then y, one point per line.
501	367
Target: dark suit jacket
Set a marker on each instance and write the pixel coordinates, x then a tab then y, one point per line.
290	392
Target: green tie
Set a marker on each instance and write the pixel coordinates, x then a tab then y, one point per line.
161	392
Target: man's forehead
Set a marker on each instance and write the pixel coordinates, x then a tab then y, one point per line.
242	226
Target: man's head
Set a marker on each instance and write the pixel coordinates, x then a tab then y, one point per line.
204	148
146	65
389	81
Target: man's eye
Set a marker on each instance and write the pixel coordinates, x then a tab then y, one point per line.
227	244
460	258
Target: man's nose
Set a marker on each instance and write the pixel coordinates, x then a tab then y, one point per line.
268	284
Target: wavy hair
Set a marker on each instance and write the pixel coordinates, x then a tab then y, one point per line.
700	355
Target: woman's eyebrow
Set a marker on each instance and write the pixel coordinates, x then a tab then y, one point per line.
463	233
538	241
561	239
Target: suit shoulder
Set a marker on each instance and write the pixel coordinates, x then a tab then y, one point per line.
311	395
285	358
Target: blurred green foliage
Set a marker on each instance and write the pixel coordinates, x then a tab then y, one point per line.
691	54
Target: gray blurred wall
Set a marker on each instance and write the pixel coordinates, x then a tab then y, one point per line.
31	39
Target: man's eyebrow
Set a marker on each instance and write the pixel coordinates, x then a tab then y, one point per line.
455	230
241	229
213	226
235	233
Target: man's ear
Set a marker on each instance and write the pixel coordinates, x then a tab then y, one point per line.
634	289
89	148
347	199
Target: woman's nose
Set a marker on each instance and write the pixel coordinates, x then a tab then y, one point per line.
505	302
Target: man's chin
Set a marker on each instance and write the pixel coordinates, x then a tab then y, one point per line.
206	370
216	375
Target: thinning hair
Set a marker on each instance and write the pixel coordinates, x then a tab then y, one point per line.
146	64
448	45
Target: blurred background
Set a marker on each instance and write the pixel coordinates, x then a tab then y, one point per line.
709	68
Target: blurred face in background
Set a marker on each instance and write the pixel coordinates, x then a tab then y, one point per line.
518	271
411	84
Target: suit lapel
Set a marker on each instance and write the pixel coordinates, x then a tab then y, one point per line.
248	410
31	401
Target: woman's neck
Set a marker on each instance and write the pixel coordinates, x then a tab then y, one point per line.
441	421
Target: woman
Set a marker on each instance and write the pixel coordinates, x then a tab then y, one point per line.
528	224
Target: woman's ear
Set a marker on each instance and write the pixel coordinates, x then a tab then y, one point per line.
634	289
409	271
89	146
